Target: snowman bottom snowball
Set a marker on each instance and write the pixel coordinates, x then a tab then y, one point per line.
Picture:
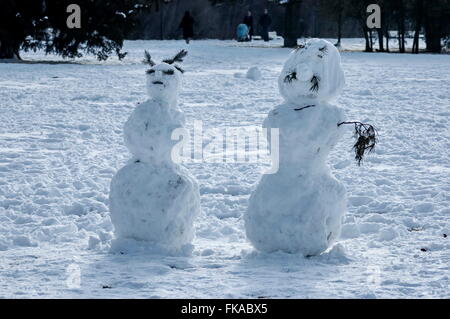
155	204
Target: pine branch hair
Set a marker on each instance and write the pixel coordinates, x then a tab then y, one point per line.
315	80
177	58
148	59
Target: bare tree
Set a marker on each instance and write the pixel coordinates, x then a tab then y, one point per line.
437	15
357	9
337	11
418	17
291	9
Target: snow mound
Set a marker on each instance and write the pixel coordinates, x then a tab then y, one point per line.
254	73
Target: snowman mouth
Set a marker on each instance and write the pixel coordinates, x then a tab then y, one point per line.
158	82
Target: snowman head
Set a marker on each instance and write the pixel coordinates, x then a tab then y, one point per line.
313	72
164	79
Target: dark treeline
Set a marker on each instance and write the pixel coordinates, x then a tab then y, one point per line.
219	19
308	18
42	24
408	18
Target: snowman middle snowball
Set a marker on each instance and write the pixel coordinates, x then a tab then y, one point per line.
299	209
152	198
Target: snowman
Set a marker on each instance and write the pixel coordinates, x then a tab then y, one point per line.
153	199
300	208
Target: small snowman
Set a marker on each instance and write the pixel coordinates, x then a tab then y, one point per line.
153	199
300	208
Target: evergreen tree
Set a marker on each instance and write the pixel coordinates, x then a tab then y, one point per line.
42	24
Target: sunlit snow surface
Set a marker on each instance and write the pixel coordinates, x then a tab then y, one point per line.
61	142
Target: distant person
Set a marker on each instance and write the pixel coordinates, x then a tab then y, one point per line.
187	24
265	21
248	20
242	32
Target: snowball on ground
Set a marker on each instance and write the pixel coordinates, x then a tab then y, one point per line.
253	73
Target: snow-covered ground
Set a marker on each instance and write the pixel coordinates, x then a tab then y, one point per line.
61	142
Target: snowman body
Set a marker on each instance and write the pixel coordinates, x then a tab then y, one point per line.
147	132
152	198
299	209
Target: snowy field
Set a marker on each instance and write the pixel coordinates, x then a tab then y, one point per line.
61	143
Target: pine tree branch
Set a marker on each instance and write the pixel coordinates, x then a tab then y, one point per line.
177	58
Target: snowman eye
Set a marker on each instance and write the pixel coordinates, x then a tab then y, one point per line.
290	77
322	51
300	47
151	71
315	80
168	72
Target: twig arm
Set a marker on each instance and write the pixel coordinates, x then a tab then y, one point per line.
366	136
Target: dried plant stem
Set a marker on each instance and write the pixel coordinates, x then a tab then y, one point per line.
366	136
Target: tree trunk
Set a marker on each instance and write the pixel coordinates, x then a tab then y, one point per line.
386	26
339	28
290	36
387	41
433	42
366	37
415	48
419	17
433	30
401	40
9	49
383	30
380	40
401	31
161	26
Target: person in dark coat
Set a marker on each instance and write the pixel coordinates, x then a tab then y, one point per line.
265	21
248	20
187	24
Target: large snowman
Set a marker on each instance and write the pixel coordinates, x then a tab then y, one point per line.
299	209
152	198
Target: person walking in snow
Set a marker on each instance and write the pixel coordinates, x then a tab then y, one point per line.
248	20
187	24
265	21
